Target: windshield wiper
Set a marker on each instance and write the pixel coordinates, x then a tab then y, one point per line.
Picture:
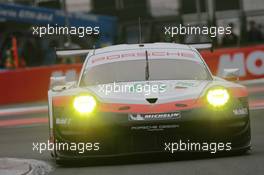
147	67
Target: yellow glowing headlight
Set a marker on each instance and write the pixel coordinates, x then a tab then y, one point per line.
84	104
217	97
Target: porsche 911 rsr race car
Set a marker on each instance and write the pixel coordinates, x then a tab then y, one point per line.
146	98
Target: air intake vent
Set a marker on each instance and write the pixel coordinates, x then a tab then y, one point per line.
124	108
152	100
180	105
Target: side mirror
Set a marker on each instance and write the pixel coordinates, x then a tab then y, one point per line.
57	83
231	74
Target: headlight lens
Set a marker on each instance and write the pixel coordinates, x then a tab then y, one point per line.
217	97
84	104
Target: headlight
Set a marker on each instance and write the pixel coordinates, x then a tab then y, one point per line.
217	97
84	104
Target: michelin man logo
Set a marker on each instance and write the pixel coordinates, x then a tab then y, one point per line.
135	117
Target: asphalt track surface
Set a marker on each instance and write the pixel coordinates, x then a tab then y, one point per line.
16	142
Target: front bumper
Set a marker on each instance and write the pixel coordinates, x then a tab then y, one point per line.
117	135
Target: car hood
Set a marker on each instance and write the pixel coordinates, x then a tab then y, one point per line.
146	92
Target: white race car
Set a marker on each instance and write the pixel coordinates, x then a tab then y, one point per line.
145	98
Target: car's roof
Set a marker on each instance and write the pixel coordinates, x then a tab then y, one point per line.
145	45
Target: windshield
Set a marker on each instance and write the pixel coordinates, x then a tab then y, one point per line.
134	70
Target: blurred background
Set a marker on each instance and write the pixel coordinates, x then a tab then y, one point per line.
118	21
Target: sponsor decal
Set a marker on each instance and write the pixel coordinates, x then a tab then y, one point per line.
252	63
63	121
154	127
249	61
128	55
240	111
150	117
186	84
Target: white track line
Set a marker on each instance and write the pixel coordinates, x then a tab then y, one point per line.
23	110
